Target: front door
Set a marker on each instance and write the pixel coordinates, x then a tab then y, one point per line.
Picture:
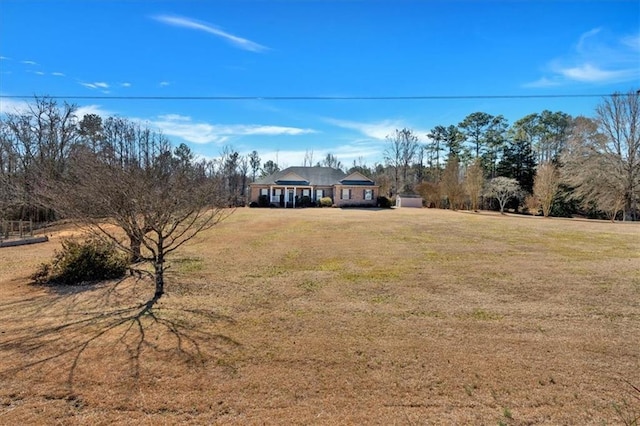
291	194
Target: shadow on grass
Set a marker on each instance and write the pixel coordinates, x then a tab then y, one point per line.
71	330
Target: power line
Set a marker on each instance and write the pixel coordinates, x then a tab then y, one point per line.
313	98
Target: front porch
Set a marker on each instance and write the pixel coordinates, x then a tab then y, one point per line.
294	196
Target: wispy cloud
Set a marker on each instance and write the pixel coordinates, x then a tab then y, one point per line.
38	72
58	74
596	58
4	58
367	151
203	133
583	42
633	42
13	106
95	85
375	130
29	62
164	84
592	74
125	84
237	41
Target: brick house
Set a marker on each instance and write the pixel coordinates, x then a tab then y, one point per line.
287	187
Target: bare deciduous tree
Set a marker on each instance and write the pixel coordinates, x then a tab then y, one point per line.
532	204
308	158
400	153
158	206
450	185
474	183
502	189
38	141
431	193
545	186
602	159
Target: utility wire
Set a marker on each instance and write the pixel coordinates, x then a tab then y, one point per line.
314	98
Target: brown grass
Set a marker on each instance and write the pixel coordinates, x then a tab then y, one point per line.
328	316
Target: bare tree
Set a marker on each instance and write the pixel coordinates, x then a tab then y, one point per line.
158	206
40	139
474	183
545	186
450	185
502	189
619	120
602	159
401	151
585	170
431	193
243	169
532	204
308	158
9	161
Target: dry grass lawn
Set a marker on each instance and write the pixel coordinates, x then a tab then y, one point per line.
329	316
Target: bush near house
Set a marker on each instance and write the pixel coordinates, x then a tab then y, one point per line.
263	201
326	202
383	202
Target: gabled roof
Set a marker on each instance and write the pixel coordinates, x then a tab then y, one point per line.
292	178
356	178
322	176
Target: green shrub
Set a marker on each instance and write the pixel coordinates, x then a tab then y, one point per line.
80	262
326	202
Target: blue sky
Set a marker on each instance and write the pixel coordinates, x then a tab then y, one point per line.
328	48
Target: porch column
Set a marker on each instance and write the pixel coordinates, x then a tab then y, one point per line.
294	197
270	194
286	196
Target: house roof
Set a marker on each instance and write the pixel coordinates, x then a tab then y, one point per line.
356	178
304	176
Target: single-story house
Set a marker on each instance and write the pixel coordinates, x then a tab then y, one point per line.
287	187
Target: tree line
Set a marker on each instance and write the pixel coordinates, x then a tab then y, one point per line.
40	147
547	162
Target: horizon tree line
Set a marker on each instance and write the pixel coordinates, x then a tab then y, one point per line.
591	163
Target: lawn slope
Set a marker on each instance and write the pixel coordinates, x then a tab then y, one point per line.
330	316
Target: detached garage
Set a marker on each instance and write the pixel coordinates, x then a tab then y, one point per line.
409	201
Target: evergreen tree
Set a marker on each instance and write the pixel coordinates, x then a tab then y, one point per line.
518	162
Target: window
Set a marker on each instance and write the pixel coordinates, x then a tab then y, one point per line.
277	192
305	192
319	194
264	191
368	194
346	194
